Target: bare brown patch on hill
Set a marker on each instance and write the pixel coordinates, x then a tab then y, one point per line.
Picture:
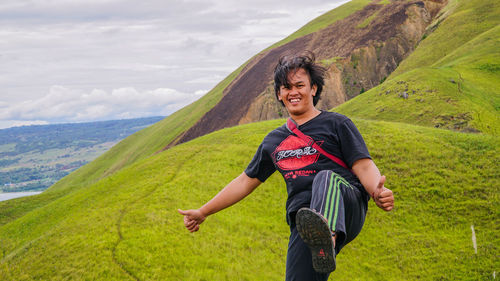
365	56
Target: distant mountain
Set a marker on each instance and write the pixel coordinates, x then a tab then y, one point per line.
35	157
450	82
360	45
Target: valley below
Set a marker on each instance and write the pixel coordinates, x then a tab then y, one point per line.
32	158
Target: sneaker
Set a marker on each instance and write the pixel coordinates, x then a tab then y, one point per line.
314	230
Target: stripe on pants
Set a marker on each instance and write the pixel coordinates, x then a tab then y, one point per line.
332	199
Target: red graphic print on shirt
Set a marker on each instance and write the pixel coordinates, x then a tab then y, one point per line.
293	153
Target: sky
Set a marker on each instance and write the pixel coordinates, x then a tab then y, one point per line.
92	60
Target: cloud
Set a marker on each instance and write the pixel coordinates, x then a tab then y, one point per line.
17	123
74	105
133	51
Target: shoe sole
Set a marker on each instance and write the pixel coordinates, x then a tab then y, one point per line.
314	231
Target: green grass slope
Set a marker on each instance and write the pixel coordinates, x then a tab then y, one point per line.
451	80
463	21
126	227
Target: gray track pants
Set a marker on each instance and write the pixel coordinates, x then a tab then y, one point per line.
344	206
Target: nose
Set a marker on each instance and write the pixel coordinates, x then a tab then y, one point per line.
294	90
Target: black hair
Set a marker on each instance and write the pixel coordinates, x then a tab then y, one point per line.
292	63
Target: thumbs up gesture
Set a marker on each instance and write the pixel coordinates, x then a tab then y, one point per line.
192	219
383	196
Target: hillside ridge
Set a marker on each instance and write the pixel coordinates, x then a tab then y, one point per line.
366	55
451	81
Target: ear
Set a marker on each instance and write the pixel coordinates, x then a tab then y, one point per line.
279	96
314	88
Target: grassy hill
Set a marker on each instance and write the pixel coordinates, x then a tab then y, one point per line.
452	80
444	182
116	219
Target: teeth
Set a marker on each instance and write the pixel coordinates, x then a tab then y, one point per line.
294	100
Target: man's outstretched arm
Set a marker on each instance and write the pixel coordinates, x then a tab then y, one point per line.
236	190
369	176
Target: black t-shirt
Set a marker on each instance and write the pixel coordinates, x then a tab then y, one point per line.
298	162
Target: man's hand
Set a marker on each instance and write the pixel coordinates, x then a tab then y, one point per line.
383	196
192	219
236	190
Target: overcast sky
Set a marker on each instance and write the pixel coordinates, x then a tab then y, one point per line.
89	60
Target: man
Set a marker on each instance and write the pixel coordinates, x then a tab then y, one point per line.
327	202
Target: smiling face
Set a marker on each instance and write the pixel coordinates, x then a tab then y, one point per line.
298	95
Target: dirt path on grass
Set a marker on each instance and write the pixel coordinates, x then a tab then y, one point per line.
127	208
